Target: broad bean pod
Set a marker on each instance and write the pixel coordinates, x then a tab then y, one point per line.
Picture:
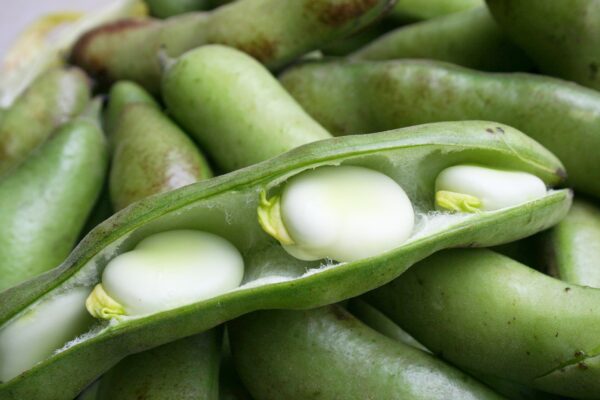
562	37
150	154
469	38
187	369
227	206
52	99
45	200
327	353
571	250
489	314
128	49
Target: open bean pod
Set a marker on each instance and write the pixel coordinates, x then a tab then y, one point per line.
227	206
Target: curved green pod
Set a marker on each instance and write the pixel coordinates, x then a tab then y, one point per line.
151	155
327	353
418	10
52	99
235	108
470	38
490	314
561	36
274	32
187	369
45	201
572	248
376	320
121	94
371	96
227	206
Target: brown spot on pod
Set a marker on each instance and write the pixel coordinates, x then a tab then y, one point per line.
95	63
341	12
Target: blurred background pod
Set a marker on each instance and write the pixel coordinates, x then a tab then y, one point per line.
54	98
45	201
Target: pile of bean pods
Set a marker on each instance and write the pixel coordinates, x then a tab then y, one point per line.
290	199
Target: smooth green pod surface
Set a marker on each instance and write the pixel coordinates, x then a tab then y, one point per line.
235	108
572	248
376	320
371	96
121	94
227	206
45	201
417	10
470	38
52	99
326	353
561	36
274	32
490	314
151	155
187	369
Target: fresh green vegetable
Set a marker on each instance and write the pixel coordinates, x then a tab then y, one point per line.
572	248
274	32
326	353
46	200
469	38
226	206
235	108
151	155
492	315
122	94
52	99
187	369
561	36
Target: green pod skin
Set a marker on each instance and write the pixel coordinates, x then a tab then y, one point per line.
572	248
121	94
470	38
235	108
46	200
418	10
169	8
562	37
187	369
490	314
382	324
327	353
274	32
52	99
371	96
151	155
227	206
